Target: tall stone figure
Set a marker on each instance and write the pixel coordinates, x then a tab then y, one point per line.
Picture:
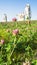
5	18
27	13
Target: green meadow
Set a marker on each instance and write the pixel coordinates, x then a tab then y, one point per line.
21	47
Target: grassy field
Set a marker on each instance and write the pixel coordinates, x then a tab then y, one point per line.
20	47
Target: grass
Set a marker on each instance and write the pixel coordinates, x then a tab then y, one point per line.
27	39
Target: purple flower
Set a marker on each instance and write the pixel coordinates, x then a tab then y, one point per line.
2	41
15	32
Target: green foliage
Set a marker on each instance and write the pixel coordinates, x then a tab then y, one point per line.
21	47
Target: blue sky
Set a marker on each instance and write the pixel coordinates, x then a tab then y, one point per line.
14	7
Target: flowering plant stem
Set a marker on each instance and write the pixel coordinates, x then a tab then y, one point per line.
14	45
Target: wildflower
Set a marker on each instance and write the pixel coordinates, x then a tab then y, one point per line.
15	32
2	41
14	19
